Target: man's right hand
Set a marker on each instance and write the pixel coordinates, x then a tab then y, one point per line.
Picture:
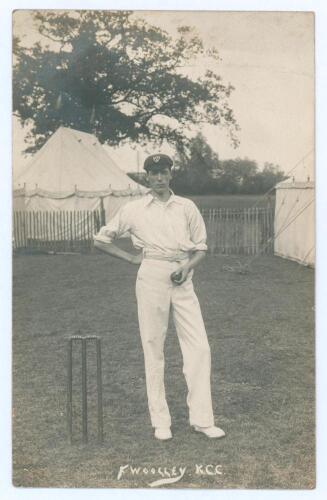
112	249
137	259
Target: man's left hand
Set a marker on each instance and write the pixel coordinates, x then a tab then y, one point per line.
137	259
179	276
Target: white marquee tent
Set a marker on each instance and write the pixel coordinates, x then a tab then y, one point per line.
72	171
295	214
68	190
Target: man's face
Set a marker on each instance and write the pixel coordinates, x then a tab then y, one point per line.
159	179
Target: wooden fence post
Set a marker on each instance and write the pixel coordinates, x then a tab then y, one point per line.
102	212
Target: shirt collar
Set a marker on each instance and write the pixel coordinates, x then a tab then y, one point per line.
173	198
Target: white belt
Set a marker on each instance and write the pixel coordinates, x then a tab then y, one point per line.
148	254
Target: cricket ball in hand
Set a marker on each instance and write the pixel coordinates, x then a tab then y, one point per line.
176	277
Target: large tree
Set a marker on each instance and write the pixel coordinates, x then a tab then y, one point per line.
117	76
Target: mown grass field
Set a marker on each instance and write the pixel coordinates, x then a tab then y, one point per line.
261	331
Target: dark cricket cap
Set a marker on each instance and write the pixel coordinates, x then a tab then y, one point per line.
157	162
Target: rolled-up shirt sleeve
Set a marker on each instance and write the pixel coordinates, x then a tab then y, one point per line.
117	227
198	233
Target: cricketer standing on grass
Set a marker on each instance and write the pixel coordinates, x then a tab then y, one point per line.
171	233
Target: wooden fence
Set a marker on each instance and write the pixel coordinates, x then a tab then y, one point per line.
245	231
230	231
56	231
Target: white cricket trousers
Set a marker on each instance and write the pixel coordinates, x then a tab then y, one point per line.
156	295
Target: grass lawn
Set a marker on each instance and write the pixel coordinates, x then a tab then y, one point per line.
261	331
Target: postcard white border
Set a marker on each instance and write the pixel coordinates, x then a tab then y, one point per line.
9	492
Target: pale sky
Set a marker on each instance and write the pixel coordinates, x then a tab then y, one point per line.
267	56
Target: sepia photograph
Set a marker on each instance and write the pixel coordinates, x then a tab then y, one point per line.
163	249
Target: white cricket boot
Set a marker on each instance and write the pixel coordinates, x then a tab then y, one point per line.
212	432
163	433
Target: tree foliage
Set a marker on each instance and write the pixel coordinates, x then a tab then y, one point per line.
237	175
117	76
195	167
201	172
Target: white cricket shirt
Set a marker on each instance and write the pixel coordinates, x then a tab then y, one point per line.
164	228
